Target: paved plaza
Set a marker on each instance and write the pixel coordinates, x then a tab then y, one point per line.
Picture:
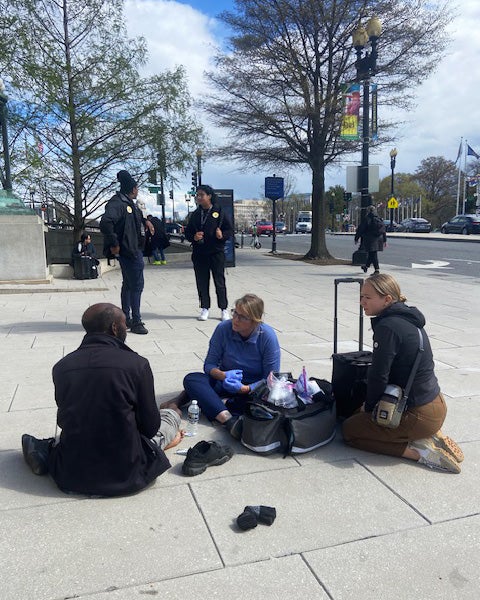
350	525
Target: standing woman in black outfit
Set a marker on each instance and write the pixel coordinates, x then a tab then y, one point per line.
207	230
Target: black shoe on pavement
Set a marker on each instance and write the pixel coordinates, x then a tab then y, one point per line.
138	328
203	455
364	269
35	453
129	322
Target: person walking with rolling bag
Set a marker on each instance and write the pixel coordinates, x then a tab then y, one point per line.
373	237
401	347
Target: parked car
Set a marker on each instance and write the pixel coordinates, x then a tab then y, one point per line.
280	227
465	224
264	228
415	225
388	226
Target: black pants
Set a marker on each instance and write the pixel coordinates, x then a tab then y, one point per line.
372	259
203	264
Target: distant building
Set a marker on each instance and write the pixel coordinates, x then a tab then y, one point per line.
248	211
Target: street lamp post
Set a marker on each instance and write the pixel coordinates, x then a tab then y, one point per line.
393	157
366	64
7	183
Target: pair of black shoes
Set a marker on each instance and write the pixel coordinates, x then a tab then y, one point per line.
203	455
253	515
35	453
138	328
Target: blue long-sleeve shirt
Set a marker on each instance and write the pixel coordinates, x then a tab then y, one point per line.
256	356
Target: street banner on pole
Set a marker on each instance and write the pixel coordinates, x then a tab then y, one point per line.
351	112
374	129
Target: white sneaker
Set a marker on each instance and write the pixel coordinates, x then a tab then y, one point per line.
226	314
203	316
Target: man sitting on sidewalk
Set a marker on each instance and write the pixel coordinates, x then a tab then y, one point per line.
107	413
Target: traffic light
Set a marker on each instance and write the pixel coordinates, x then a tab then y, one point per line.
347	196
170	193
152	176
194	179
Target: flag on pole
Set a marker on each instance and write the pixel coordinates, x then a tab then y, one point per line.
471	152
459	151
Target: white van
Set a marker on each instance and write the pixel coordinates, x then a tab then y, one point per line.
304	222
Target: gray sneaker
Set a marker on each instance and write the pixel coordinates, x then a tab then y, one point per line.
447	444
434	457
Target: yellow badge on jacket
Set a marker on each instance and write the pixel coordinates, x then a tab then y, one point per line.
129	209
215	215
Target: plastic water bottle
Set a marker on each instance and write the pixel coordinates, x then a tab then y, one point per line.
193	417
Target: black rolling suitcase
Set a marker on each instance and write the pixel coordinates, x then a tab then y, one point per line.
84	267
349	376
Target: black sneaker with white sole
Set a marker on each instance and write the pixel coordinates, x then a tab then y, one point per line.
205	454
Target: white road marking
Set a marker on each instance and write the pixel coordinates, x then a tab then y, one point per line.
434	264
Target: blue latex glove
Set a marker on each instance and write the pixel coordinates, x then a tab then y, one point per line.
255	384
236	374
232	385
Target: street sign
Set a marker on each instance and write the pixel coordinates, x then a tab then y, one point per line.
274	188
154	189
392	203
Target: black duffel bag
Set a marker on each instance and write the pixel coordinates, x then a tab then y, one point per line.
268	429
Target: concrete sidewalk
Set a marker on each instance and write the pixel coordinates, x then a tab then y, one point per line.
350	525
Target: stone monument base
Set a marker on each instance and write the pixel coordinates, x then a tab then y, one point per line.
22	249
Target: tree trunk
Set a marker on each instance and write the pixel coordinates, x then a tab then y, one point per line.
318	248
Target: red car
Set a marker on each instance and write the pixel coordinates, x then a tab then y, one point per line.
264	228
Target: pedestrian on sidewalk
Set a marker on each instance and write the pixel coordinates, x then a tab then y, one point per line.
241	354
395	347
107	414
123	228
208	229
373	238
158	240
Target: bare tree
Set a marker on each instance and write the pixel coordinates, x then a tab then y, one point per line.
278	87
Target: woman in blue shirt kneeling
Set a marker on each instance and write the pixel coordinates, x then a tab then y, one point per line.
242	352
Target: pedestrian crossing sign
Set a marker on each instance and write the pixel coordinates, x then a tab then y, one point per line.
392	203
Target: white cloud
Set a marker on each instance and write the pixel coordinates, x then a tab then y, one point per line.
446	108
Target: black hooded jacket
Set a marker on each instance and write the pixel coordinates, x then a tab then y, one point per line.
122	225
395	346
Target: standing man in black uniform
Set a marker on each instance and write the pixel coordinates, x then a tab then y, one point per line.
123	228
208	229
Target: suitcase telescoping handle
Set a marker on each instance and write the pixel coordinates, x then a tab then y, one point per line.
335	317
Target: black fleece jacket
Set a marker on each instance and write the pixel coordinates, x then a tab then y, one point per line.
395	346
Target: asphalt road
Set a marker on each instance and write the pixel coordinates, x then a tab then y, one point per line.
457	255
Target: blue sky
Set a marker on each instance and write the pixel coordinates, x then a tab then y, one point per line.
210	7
187	33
